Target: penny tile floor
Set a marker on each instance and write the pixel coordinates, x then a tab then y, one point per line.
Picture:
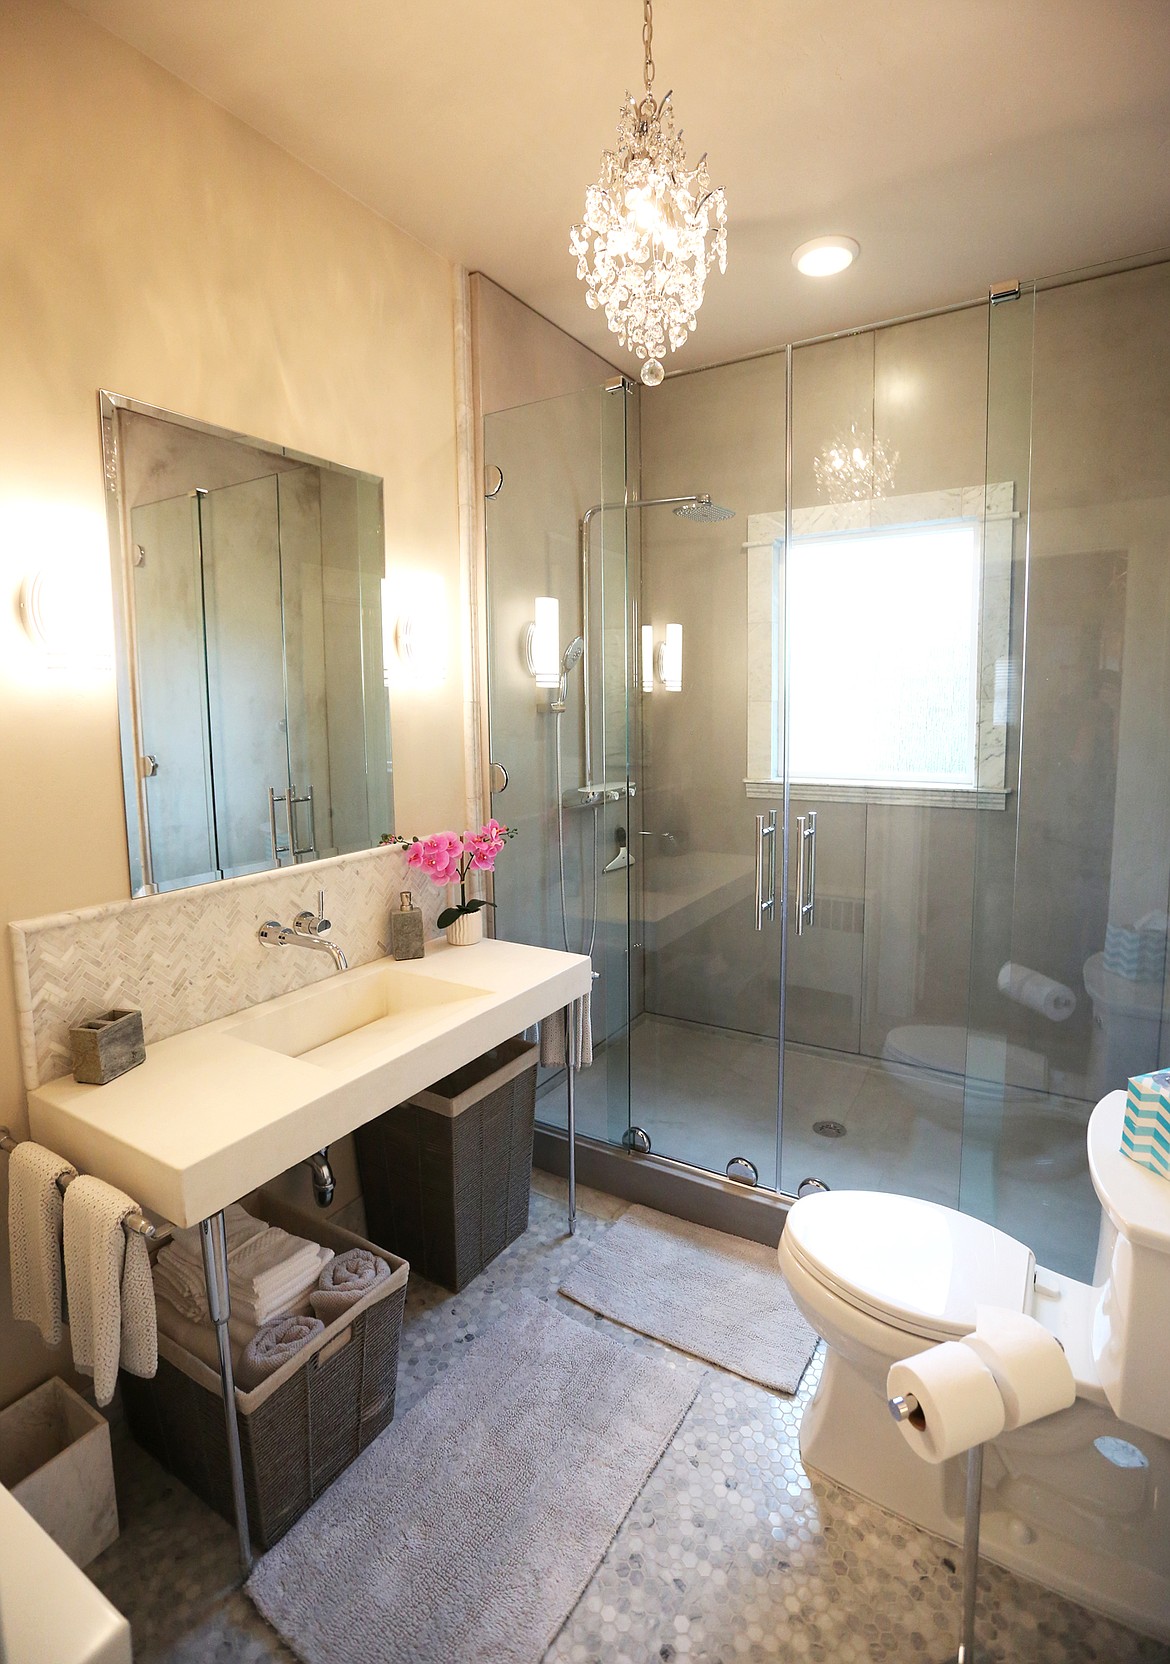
730	1553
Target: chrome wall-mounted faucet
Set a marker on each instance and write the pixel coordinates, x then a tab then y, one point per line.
306	931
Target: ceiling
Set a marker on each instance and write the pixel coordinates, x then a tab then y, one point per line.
961	142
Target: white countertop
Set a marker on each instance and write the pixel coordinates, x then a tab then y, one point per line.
212	1115
49	1609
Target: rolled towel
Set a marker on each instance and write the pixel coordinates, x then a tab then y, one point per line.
271	1347
347	1278
1054	1000
34	1236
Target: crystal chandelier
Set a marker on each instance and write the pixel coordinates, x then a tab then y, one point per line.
849	473
646	225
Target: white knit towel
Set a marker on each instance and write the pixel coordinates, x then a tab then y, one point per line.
552	1036
34	1236
107	1280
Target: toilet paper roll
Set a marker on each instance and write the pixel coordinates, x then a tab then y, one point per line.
959	1402
1028	1364
1054	1000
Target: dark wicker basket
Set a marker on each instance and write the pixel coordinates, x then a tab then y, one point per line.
295	1439
446	1178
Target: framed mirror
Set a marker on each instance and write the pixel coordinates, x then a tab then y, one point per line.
254	716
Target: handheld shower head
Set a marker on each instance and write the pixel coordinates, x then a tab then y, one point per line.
703	509
569	659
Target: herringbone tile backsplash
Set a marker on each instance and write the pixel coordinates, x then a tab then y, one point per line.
191	956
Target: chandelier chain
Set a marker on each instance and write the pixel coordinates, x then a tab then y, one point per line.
648	43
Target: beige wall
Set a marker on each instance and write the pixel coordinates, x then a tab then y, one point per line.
157	247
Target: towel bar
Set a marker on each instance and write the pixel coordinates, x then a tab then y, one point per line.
135	1222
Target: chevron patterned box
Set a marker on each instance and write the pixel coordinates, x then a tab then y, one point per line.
1145	1132
1138	954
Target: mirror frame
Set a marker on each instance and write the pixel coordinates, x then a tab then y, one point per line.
110	405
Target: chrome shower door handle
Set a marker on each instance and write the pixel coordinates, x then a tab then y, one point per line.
806	870
275	797
812	865
765	868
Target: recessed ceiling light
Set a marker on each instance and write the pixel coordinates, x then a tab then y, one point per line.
825	256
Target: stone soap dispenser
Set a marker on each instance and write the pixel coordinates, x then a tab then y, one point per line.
406	929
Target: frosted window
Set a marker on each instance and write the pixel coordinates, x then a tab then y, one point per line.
883	639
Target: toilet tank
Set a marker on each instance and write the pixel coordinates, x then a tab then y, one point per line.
1132	1316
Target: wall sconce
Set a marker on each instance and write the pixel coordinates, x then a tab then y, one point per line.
669	659
414	618
542	643
64	608
647	658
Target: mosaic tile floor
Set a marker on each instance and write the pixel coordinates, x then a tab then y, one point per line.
730	1552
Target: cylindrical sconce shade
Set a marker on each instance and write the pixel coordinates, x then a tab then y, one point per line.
543	643
670	659
647	658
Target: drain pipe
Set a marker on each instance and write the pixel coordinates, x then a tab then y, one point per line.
324	1183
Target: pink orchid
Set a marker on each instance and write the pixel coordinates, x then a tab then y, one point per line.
446	858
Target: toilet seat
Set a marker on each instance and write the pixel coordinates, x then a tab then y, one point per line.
913	1265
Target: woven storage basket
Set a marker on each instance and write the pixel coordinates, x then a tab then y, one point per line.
301	1427
446	1177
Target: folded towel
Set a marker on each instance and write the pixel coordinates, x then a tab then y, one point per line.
241	1228
552	1036
190	1297
199	1338
272	1346
107	1280
34	1237
348	1278
259	1256
269	1271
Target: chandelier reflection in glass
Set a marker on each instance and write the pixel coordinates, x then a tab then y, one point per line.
646	228
849	471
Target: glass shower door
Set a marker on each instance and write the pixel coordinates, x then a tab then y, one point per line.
561	778
894	585
705	1052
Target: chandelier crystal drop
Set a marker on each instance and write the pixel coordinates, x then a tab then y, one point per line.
642	247
849	472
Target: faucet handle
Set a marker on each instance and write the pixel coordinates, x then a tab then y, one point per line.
313	924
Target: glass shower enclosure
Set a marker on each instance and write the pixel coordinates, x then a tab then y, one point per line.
887	887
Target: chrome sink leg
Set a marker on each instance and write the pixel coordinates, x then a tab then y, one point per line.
213	1241
570	1070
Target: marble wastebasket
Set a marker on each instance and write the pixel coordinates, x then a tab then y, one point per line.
55	1459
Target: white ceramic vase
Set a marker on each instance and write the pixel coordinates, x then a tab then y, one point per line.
468	928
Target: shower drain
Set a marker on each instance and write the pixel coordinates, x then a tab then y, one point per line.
830	1129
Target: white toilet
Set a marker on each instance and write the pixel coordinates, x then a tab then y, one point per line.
1079	1501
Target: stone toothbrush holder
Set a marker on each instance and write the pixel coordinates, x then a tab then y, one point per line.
107	1046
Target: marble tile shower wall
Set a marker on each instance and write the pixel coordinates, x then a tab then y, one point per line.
191	956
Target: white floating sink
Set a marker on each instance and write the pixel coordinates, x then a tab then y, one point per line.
319	1025
223	1108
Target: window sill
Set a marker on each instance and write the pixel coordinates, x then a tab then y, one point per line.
907	797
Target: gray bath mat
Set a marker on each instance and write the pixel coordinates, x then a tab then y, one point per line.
470	1528
716	1296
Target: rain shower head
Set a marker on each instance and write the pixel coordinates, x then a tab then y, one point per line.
703	509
